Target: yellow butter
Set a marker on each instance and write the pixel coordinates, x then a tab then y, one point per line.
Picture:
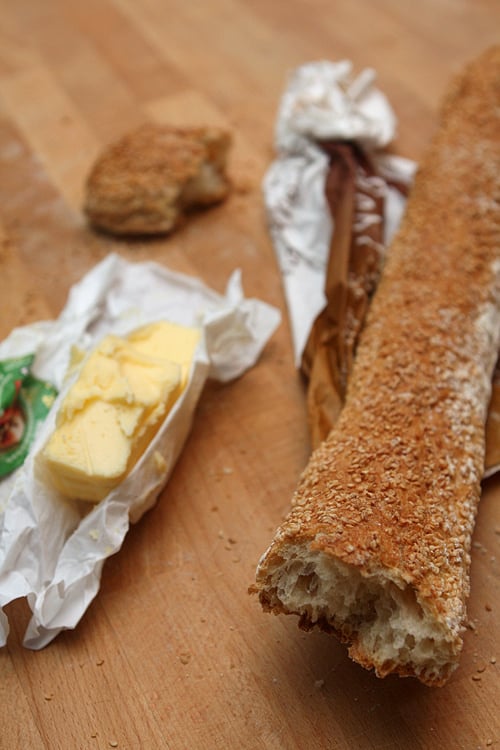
123	393
180	342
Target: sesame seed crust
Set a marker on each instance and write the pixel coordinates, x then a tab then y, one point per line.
144	182
394	489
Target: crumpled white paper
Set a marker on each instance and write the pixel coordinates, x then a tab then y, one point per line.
52	550
322	100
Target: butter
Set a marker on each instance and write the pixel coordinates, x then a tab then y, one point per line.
179	341
125	389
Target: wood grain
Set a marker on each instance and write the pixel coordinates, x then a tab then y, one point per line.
173	653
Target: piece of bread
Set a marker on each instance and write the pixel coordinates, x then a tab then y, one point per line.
376	547
147	181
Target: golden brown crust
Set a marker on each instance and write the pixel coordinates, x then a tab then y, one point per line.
396	485
143	183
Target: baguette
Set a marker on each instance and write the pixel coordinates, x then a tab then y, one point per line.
376	547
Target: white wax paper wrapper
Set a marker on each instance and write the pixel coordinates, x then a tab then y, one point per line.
322	101
52	550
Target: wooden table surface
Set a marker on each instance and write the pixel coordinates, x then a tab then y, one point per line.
173	653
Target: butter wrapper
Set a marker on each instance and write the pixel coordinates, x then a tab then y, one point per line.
52	550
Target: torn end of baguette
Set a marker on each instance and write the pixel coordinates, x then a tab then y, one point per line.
377	614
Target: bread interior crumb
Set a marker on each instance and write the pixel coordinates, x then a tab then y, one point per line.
379	616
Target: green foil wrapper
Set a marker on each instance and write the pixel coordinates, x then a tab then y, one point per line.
25	401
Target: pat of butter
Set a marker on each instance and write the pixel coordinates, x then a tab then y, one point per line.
123	393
